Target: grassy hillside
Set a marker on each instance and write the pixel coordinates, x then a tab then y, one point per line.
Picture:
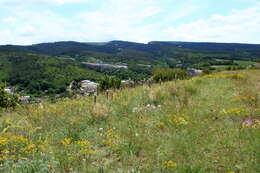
208	124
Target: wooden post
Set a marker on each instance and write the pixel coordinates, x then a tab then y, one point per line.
97	93
112	95
149	83
107	94
95	99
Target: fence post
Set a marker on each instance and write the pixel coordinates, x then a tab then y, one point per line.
97	92
107	94
149	83
95	99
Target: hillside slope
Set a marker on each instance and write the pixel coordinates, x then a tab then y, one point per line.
36	74
206	124
186	53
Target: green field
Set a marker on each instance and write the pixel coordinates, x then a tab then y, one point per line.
220	67
209	124
245	63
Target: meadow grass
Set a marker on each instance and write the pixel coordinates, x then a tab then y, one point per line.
245	63
208	124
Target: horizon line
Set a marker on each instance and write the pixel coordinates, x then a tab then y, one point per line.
146	43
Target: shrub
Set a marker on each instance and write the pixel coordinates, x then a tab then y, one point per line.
110	82
7	100
170	74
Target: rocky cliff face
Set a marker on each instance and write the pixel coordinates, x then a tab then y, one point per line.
104	66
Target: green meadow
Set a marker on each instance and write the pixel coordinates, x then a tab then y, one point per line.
208	124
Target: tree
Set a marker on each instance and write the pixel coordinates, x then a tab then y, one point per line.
170	74
110	82
7	100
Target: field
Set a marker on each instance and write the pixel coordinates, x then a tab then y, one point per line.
243	64
208	124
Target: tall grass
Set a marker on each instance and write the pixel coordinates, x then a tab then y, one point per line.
208	124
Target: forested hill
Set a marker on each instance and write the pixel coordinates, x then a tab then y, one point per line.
36	74
153	49
51	66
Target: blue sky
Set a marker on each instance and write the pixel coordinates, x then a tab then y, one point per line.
34	21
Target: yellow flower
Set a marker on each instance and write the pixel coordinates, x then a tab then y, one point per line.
32	146
19	139
6	151
66	141
3	141
178	120
230	172
109	143
88	152
170	164
84	143
160	124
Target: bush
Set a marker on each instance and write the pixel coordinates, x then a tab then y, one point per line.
170	74
7	100
110	82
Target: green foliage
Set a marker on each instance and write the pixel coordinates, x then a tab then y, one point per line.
108	82
40	74
7	100
170	74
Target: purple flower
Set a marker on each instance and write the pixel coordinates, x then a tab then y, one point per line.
248	122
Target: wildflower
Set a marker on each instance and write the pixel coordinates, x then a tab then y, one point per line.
109	143
3	141
251	123
233	111
88	152
19	139
24	158
84	143
50	166
110	134
160	124
256	124
178	120
66	141
230	172
32	146
170	164
247	123
6	151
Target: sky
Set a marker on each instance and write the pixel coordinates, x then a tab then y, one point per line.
26	22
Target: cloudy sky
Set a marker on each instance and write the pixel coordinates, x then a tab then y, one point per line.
34	21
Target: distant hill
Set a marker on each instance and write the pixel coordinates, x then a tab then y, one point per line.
36	74
34	67
153	49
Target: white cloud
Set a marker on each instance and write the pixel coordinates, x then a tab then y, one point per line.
239	26
122	20
35	2
9	20
134	20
